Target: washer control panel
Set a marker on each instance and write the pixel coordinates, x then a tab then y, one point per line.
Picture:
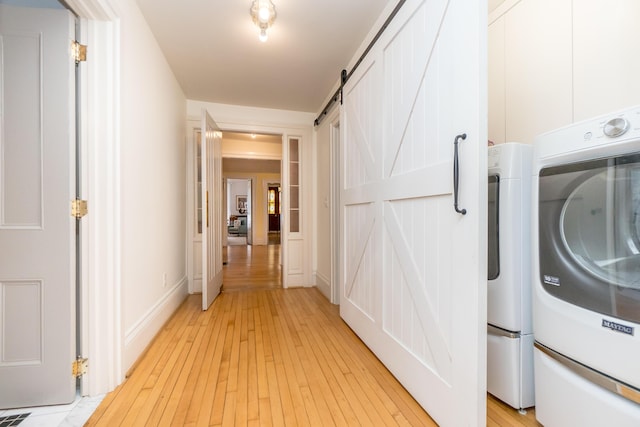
618	131
616	127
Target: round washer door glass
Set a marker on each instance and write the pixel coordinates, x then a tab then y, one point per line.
600	225
589	234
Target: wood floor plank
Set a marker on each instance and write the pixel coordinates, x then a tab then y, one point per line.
264	356
117	409
200	368
334	376
326	396
253	404
179	387
163	383
200	403
293	405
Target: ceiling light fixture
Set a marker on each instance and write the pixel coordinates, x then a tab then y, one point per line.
263	13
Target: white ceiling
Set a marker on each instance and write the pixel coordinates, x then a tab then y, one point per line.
213	48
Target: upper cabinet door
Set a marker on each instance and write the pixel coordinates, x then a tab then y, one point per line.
538	73
496	80
606	42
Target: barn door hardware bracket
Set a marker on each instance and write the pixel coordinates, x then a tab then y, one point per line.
79	367
343	80
78	208
345	76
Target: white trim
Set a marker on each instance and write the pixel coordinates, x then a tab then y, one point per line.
138	337
313	190
99	10
245	155
289	124
192	236
264	239
100	177
323	284
336	211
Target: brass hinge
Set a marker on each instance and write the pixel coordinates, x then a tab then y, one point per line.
79	367
78	208
79	51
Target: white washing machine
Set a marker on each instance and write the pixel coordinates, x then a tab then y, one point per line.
586	272
510	329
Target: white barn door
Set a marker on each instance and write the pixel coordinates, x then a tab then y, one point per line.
212	204
414	276
37	184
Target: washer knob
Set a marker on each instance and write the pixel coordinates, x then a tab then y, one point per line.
616	127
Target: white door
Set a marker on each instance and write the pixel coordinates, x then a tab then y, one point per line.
37	184
249	212
414	276
212	223
292	236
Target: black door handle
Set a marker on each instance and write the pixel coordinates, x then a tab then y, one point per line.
456	173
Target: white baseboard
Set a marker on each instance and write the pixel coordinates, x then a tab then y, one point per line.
323	284
138	337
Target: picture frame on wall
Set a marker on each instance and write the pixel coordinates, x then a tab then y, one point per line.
241	203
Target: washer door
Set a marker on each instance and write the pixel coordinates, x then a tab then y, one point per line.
589	232
493	240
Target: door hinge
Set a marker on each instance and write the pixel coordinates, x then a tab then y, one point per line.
79	367
78	208
79	51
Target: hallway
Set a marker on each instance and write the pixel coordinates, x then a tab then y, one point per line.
251	267
262	355
259	357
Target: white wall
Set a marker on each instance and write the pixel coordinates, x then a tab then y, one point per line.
235	188
250	119
251	148
152	167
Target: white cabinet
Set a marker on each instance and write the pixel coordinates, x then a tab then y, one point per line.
556	62
535	39
606	47
496	81
537	68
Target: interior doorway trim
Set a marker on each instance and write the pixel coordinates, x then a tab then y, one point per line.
302	133
336	218
265	192
100	284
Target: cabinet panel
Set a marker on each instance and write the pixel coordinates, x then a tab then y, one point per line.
496	92
606	60
538	77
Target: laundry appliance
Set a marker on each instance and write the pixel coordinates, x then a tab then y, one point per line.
510	330
586	272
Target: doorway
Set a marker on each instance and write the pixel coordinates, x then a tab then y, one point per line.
251	165
238	212
274	212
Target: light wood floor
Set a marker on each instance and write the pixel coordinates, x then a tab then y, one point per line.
262	355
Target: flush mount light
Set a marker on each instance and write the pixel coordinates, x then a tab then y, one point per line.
263	13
